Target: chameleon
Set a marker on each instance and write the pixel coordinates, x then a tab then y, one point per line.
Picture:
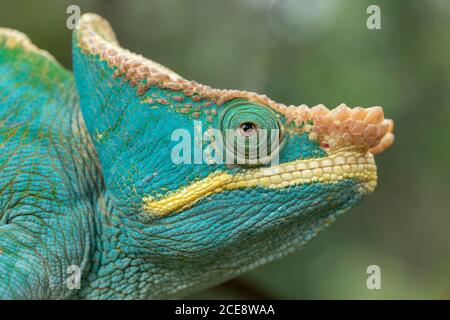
93	205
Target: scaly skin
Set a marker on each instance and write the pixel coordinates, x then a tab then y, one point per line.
93	184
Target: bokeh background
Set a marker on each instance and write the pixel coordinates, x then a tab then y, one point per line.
311	51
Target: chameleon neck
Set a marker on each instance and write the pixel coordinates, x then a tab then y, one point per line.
122	267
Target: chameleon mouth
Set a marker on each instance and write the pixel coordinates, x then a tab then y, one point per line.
326	170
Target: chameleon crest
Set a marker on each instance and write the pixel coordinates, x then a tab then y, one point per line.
124	172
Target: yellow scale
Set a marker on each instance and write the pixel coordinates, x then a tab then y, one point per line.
330	169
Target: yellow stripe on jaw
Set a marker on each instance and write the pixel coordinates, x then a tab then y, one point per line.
329	169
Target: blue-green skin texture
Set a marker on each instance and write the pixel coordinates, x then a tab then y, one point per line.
72	182
49	178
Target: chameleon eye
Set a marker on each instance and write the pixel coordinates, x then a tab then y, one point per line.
248	129
252	132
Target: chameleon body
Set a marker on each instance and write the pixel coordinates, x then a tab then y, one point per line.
88	177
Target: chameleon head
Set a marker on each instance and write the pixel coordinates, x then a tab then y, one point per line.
185	202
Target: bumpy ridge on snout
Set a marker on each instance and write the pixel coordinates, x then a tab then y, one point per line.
343	128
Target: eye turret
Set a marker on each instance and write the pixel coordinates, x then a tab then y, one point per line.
252	133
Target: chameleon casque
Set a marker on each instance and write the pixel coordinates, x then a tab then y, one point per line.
87	178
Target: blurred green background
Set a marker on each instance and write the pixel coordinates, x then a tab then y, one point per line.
311	51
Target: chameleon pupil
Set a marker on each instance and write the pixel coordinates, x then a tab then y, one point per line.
247	128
